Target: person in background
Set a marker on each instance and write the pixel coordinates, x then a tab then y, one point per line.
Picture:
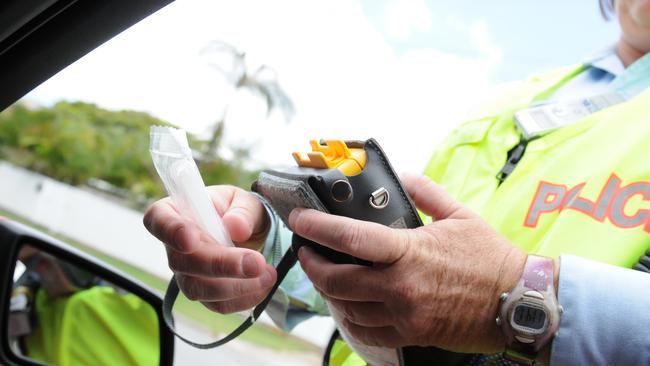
64	315
544	195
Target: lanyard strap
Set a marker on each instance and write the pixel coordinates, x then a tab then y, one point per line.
288	260
541	119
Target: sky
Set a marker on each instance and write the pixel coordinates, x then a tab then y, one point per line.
403	72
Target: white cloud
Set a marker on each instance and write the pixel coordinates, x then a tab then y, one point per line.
403	18
345	79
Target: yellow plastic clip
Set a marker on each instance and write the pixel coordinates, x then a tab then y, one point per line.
335	154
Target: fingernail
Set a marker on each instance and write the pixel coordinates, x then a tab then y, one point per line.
304	251
293	216
249	266
301	252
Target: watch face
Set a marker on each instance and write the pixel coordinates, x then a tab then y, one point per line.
529	316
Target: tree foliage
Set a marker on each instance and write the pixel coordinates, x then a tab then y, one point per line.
74	142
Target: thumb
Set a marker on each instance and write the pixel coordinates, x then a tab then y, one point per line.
244	216
431	199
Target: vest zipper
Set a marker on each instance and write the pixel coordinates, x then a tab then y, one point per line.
514	156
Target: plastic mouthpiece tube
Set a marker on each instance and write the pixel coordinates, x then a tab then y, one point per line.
173	160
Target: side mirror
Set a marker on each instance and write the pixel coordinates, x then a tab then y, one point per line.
59	306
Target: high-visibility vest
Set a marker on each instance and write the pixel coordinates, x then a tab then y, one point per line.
95	326
583	189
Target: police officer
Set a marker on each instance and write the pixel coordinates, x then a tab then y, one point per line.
556	166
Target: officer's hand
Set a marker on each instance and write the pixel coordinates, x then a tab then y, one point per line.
436	285
224	279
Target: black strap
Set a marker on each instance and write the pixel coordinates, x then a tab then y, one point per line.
288	260
330	346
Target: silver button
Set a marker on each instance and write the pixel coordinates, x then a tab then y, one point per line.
534	294
341	191
524	339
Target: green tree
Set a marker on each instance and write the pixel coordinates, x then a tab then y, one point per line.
77	142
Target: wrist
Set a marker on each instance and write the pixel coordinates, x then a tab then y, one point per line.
510	272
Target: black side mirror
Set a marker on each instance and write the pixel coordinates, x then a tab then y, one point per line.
59	306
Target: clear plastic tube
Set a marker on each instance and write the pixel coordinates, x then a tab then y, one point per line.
173	160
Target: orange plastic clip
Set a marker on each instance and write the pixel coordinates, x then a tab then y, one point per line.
335	154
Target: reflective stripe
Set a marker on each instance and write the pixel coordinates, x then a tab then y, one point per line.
543	204
606	196
618	215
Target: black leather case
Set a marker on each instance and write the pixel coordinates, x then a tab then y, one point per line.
329	190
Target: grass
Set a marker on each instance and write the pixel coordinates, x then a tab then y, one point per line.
259	334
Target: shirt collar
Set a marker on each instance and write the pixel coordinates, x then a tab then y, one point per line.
609	63
606	60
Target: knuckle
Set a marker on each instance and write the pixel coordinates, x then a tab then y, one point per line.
238	289
407	240
329	284
176	261
351	237
404	291
192	290
169	230
218	266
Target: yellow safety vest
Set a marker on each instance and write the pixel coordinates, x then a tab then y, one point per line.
94	327
583	189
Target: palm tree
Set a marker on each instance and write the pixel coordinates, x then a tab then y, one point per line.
231	63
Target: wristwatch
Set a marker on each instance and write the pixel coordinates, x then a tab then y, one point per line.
529	314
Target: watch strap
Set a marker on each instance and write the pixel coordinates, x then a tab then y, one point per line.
538	273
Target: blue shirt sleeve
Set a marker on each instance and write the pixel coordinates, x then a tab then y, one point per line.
296	299
606	318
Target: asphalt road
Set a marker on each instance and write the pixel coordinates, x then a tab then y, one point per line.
236	353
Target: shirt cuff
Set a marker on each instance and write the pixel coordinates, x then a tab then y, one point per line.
296	299
606	319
